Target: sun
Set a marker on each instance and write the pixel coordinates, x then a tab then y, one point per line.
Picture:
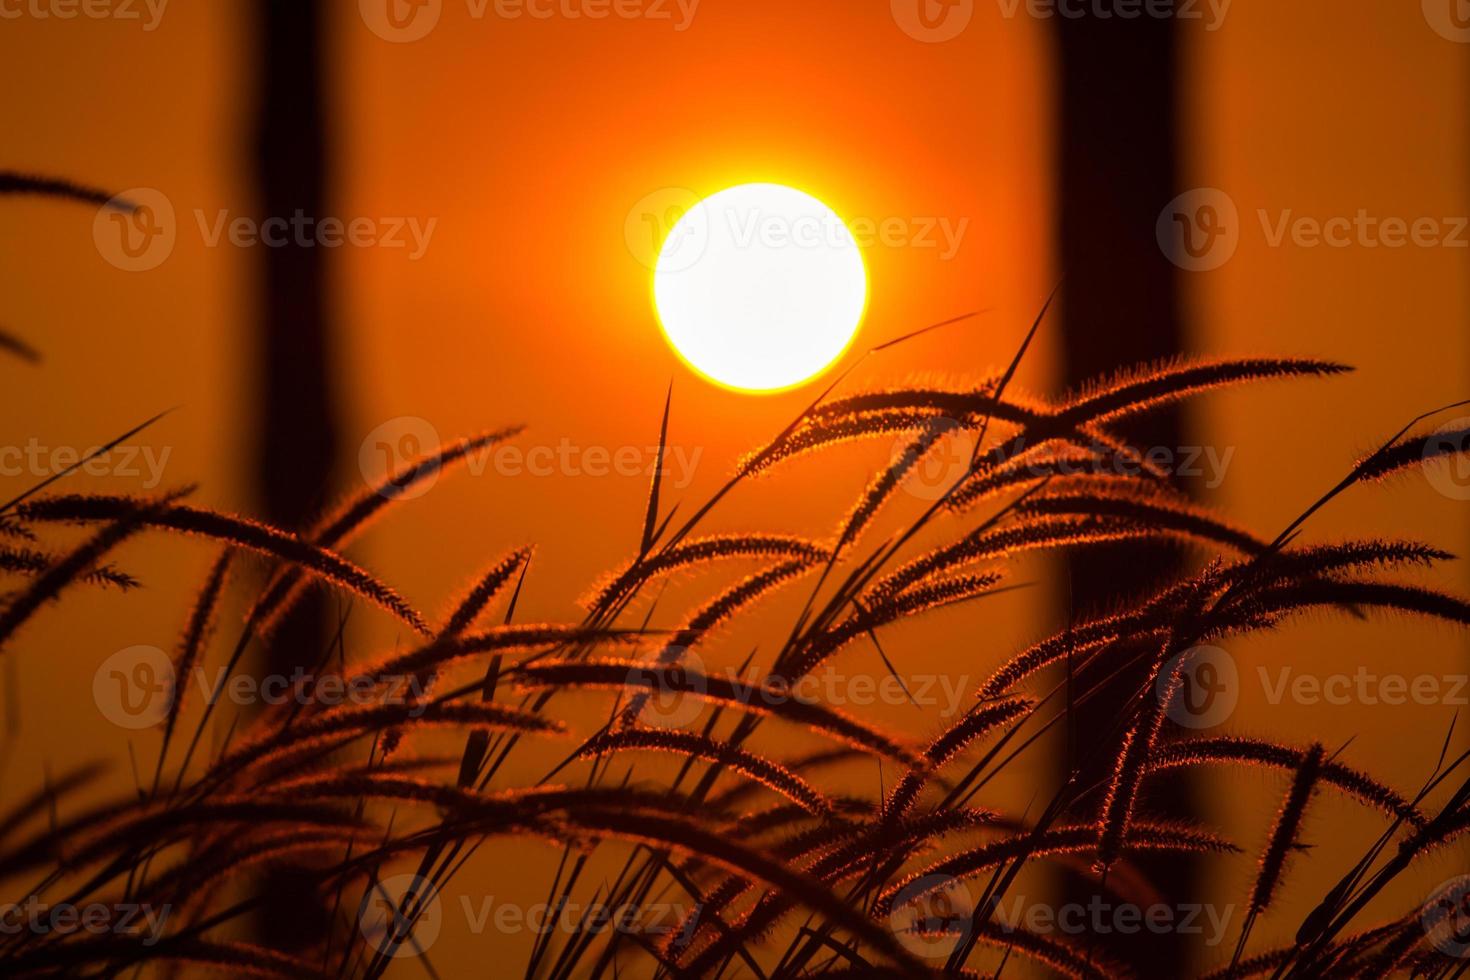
760	287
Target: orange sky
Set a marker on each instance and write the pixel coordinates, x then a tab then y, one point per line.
533	147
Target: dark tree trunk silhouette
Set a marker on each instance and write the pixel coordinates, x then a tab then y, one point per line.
1117	169
297	442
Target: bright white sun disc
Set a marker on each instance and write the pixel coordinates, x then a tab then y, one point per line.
760	287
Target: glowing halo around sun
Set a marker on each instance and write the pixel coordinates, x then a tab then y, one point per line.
760	287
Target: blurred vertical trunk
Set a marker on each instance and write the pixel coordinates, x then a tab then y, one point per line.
296	443
1117	168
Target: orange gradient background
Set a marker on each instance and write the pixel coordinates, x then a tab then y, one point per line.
537	146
